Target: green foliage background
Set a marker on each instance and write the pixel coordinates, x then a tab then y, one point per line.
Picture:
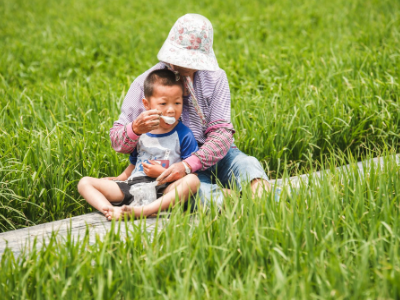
308	79
311	81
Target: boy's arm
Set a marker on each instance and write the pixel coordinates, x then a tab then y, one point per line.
124	175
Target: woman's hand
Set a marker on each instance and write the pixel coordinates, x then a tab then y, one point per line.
153	169
147	121
173	173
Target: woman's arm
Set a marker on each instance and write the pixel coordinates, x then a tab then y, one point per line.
217	145
219	132
123	138
218	142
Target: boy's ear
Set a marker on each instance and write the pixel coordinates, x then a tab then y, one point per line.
146	103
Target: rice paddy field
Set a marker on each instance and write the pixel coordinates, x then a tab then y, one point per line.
314	84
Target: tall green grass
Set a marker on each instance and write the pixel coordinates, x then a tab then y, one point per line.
336	238
314	84
309	79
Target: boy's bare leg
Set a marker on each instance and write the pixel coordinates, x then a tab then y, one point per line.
183	187
99	192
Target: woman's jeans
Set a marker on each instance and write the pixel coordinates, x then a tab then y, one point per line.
235	169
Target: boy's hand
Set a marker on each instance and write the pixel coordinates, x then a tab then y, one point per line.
153	169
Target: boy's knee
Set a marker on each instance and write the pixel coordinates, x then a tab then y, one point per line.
84	182
195	183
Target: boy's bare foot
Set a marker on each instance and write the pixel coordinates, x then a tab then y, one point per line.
112	212
106	210
117	213
127	210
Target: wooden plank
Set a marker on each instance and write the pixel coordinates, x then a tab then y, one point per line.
96	223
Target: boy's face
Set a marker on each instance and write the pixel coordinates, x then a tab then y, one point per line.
167	99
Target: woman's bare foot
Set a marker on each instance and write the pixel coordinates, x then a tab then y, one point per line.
117	213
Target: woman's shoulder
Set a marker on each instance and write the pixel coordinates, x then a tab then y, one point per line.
209	81
211	78
213	74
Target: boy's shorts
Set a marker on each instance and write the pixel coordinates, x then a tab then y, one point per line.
125	186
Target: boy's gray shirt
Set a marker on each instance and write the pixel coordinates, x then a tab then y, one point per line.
166	149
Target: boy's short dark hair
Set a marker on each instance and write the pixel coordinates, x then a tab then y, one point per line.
162	77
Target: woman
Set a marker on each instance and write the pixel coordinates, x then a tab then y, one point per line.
207	105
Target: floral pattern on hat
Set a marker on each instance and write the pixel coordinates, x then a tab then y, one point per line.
189	44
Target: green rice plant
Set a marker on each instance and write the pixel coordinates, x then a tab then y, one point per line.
314	85
335	237
308	79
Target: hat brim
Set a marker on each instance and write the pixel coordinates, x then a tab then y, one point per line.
191	59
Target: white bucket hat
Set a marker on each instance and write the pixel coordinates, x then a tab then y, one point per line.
189	44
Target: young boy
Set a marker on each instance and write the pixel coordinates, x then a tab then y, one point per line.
155	151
